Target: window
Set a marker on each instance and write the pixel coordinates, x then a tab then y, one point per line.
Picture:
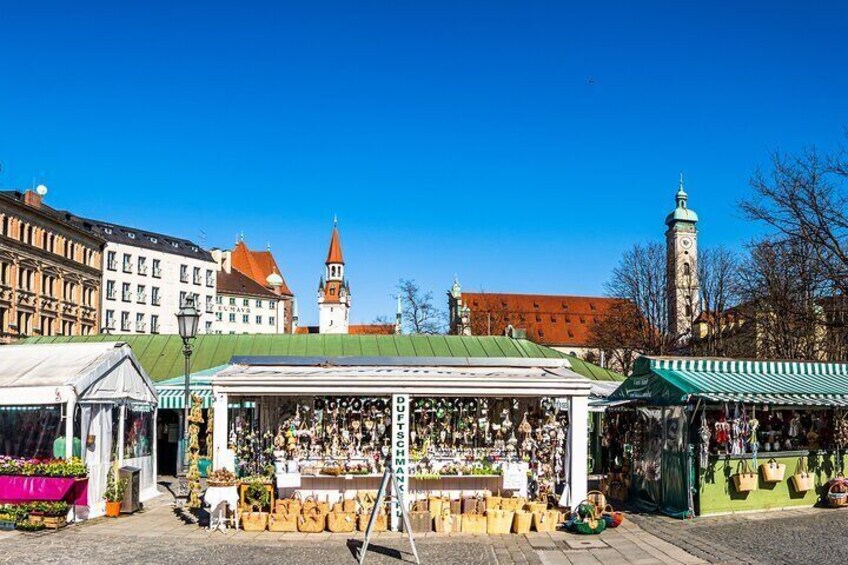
142	265
157	270
110	319
154	296
184	273
127	263
125	321
139	322
686	269
107	230
232	301
219	300
182	298
245	319
219	316
110	290
210	278
272	304
195	275
209	327
208	303
258	320
111	261
141	295
246	302
271	320
126	293
259	304
154	324
232	318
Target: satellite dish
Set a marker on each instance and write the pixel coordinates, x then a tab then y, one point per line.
41	190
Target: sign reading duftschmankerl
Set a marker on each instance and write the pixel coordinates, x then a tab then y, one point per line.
400	451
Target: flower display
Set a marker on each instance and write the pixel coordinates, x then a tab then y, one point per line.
73	467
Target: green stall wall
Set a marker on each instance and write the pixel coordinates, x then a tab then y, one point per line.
717	493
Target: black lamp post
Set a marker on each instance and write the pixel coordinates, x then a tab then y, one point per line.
187	320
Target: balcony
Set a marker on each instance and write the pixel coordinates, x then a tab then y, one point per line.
26	298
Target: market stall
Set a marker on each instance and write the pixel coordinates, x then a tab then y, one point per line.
456	426
92	401
708	436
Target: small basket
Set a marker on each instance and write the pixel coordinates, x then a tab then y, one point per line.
837	499
381	522
536	506
802	480
612	518
513	503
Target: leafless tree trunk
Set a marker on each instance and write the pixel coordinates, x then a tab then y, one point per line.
420	316
718	273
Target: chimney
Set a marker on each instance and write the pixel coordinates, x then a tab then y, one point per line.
32	198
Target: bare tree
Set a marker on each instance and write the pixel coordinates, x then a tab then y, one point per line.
420	316
719	278
619	334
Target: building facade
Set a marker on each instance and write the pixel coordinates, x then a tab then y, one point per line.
682	264
561	322
261	266
49	270
148	276
242	305
333	291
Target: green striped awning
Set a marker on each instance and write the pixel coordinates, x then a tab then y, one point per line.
174	399
676	380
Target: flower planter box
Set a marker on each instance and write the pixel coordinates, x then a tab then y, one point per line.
16	489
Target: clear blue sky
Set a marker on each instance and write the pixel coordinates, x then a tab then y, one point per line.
522	145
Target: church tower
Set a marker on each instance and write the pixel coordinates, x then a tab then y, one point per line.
682	266
333	291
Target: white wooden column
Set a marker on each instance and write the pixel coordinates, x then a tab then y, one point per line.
399	458
121	428
220	432
578	448
70	408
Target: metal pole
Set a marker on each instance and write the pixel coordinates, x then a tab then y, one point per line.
187	354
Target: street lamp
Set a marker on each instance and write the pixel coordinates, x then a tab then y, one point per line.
187	319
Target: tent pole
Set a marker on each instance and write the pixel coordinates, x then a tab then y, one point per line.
121	427
69	427
578	449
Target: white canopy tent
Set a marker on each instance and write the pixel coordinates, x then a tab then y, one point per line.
88	381
402	378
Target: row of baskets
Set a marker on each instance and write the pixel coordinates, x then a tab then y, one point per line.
747	480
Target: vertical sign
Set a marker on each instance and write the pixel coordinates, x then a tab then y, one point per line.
399	458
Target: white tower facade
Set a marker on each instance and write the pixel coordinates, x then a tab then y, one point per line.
333	291
683	294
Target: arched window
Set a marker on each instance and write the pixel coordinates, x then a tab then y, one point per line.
686	269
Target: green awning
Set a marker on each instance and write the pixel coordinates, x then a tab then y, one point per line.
174	399
664	381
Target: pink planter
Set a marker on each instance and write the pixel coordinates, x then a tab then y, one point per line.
18	488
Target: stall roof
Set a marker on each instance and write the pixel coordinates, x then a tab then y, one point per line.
172	391
672	380
161	355
530	378
92	372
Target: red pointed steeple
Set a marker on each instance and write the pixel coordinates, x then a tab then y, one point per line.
334	255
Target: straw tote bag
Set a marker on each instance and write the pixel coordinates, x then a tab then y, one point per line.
744	480
802	480
773	472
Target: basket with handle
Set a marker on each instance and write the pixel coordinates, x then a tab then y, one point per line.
254	520
443	523
611	517
802	480
837	492
493	501
290	505
282	522
499	521
513	503
311	521
744	480
435	504
597	499
474	523
521	521
545	521
773	472
341	522
381	521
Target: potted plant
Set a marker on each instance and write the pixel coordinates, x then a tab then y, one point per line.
114	494
55	514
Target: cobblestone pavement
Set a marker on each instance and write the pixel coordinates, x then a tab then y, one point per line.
161	534
805	535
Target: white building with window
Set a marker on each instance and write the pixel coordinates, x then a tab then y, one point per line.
147	276
243	306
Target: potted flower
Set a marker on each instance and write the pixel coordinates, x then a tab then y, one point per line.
114	494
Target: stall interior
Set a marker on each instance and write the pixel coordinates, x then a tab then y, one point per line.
449	438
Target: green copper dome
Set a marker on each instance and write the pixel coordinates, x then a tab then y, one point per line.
681	212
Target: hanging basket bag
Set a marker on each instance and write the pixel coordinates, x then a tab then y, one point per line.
499	521
802	480
773	472
745	480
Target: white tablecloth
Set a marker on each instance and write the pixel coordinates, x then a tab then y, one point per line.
218	499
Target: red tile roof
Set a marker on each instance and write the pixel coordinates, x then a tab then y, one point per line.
355	329
334	255
258	265
548	319
236	282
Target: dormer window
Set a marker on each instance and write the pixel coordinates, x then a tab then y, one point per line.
154	240
130	235
107	230
174	244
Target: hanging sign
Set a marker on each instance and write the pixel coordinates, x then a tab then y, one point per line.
400	451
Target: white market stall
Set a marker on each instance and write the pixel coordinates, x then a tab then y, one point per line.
96	394
401	391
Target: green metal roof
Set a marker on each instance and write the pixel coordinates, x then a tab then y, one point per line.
675	380
161	355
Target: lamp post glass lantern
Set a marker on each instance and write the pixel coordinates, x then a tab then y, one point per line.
187	321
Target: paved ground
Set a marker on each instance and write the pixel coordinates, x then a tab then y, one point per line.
160	534
806	535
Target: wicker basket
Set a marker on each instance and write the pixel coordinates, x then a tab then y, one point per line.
493	502
473	523
290	505
536	506
499	521
512	504
282	522
522	521
611	517
443	522
381	522
545	521
254	521
311	521
745	480
773	472
436	503
837	499
588	527
597	499
312	503
341	522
